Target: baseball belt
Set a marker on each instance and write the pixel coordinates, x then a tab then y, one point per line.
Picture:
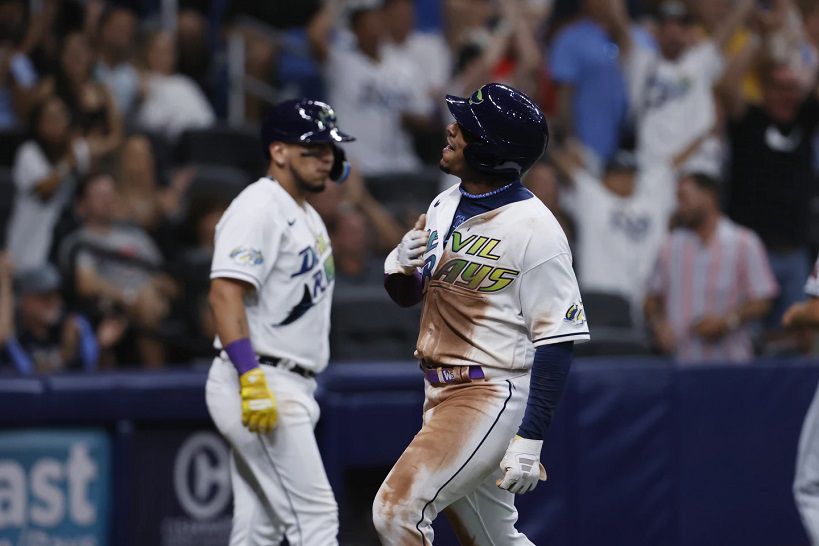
279	363
447	375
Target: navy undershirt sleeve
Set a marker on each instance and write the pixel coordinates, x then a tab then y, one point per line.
549	373
405	290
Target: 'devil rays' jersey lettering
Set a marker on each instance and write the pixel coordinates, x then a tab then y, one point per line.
475	275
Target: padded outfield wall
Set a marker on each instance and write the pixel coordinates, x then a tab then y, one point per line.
641	453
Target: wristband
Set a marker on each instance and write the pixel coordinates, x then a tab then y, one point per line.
242	356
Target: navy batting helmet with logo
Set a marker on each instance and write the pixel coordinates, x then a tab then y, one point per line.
306	121
508	128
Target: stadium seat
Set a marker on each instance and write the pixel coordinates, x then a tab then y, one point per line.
612	327
222	145
405	188
611	310
367	325
9	142
220	180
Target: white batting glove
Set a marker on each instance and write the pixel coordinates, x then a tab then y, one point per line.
410	251
521	465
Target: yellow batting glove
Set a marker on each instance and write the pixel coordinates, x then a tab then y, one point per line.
258	403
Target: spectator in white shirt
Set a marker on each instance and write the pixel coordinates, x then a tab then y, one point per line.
172	102
45	172
671	92
371	91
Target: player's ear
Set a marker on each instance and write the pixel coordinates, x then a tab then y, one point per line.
278	153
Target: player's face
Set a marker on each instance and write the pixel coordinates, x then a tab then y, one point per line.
310	165
452	156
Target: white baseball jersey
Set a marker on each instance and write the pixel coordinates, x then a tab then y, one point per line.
268	240
501	285
812	284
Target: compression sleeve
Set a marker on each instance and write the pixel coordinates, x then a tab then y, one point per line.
549	373
405	290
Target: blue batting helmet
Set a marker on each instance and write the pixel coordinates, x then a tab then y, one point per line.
306	121
509	128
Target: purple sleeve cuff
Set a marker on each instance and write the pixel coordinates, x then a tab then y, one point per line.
242	355
405	290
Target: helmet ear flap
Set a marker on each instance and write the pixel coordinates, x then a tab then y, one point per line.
341	167
481	157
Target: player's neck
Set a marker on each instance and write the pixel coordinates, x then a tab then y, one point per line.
289	185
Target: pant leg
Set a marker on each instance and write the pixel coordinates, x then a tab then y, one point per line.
465	433
254	522
806	481
487	516
285	463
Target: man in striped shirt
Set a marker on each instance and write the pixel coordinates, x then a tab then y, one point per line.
711	279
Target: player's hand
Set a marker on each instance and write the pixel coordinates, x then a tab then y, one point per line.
522	466
258	403
412	247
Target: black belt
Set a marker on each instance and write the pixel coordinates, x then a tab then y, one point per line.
296	369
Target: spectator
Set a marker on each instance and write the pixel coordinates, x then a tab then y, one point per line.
624	219
353	194
672	91
542	181
711	279
510	54
585	65
193	272
116	39
116	266
92	109
172	102
426	51
355	262
47	339
17	73
771	176
373	92
45	172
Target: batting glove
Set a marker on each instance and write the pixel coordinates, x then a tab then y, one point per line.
258	403
521	465
411	250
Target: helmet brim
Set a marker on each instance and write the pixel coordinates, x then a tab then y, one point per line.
461	110
325	135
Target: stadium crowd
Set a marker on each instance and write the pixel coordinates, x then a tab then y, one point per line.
682	165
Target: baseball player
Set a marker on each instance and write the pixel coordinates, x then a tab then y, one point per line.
501	310
806	482
271	287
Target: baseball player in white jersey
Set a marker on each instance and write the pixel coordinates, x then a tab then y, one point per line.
271	288
501	309
806	482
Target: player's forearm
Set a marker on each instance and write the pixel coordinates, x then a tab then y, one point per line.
405	290
549	373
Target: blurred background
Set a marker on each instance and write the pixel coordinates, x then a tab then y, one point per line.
682	166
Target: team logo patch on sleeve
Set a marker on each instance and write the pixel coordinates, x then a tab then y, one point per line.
244	255
575	313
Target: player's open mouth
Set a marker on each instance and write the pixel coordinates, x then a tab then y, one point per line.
449	147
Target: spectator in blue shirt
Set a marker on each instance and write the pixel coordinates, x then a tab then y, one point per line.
45	338
585	65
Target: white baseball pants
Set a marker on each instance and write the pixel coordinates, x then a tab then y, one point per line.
279	484
452	465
